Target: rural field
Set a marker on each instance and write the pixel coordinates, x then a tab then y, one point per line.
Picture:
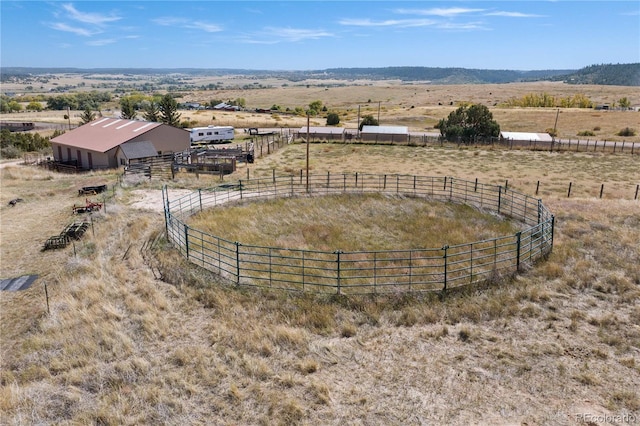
418	106
132	334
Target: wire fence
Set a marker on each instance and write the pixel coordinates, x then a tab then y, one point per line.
364	272
430	140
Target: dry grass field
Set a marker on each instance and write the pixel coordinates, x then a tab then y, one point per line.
141	337
418	106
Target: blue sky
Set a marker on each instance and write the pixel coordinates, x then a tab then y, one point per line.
307	35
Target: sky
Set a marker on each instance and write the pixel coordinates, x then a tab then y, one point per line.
316	35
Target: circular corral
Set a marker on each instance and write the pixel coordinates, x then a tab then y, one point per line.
368	270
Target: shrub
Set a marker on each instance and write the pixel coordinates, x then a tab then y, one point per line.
627	131
586	133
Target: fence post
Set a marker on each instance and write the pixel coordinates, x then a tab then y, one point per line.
539	210
499	198
384	185
635	197
165	202
601	189
338	252
569	192
475	187
200	197
186	239
237	262
553	228
518	239
445	248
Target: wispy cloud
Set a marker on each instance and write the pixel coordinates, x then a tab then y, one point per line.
400	23
60	26
102	42
276	35
168	21
71	20
442	12
513	14
88	18
296	34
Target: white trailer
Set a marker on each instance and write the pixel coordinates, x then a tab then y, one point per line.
211	134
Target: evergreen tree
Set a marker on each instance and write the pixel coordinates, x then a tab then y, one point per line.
368	120
169	111
128	109
469	124
151	112
333	119
87	116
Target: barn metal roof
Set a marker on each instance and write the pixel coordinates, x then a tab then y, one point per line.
525	136
330	130
105	133
395	130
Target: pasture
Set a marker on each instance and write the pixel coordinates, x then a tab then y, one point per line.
418	106
135	335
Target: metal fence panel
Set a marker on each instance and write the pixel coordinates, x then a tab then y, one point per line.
416	270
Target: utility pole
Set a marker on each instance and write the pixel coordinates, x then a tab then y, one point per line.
358	129
553	138
308	151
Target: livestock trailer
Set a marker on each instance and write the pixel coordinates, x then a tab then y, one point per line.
211	134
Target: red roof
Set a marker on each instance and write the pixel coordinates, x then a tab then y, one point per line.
105	133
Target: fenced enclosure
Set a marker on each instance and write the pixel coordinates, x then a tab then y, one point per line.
364	272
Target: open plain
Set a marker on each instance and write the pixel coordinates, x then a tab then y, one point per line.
132	334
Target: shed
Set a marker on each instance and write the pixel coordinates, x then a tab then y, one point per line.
394	134
135	151
526	136
323	133
95	144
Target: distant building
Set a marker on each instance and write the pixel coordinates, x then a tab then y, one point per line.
395	134
525	137
322	133
96	145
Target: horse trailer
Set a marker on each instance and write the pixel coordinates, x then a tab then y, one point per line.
211	134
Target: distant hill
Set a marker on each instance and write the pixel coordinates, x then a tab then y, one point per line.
618	74
611	74
444	75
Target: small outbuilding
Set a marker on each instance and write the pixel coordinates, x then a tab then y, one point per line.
393	134
111	142
322	133
526	139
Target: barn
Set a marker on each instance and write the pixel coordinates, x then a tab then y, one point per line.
103	143
393	134
323	133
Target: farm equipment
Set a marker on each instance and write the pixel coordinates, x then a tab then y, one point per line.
75	230
92	190
89	207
